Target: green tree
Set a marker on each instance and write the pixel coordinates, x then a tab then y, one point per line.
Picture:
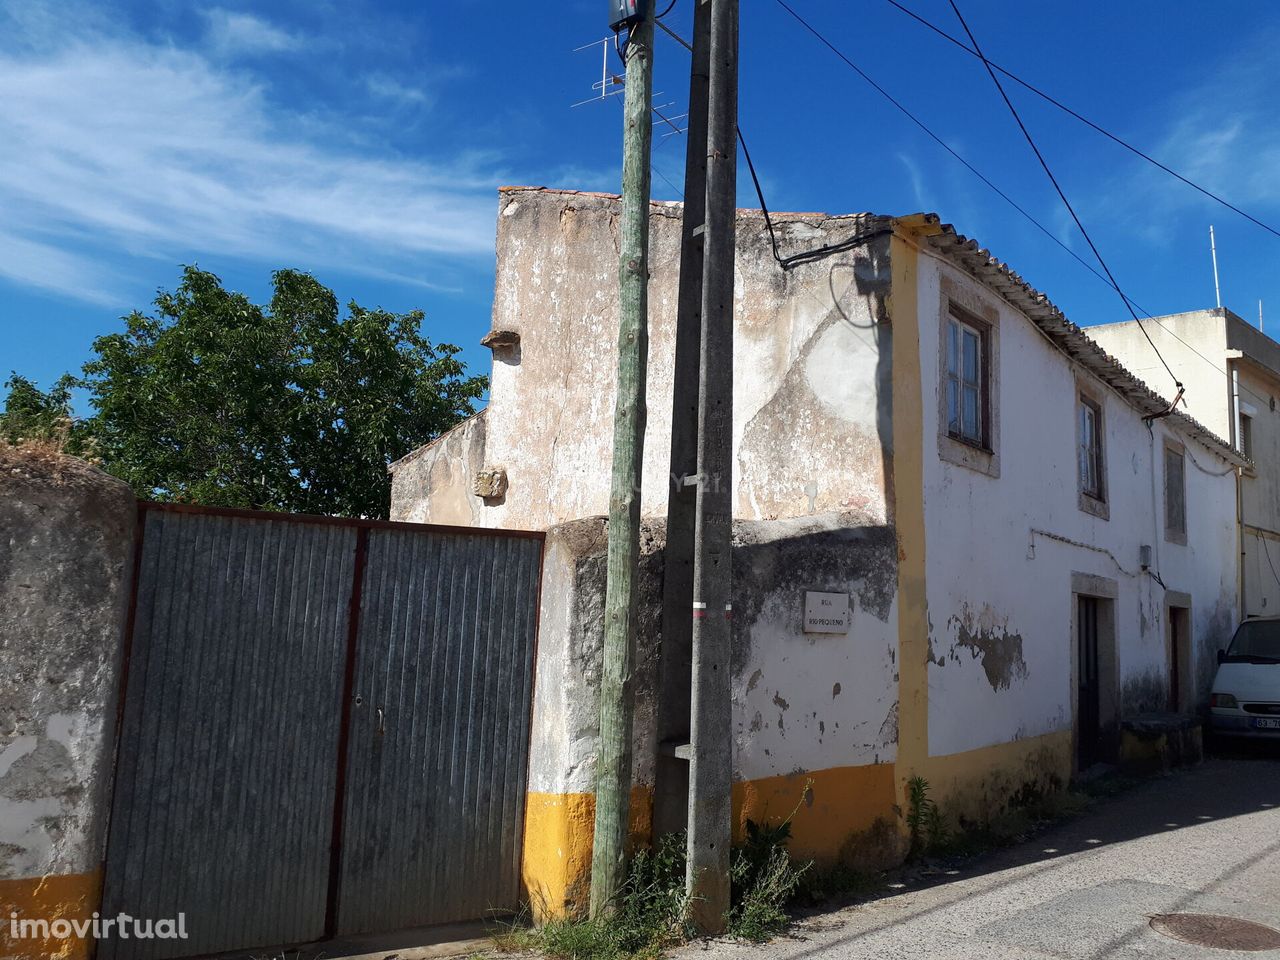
292	407
33	415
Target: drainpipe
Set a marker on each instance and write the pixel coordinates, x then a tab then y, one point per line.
1235	409
1239	445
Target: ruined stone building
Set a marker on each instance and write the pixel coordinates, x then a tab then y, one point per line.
1231	371
1032	546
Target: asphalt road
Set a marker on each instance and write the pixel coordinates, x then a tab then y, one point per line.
1203	841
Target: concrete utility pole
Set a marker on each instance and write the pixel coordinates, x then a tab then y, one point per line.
711	745
671	794
613	768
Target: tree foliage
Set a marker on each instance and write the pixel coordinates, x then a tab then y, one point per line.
291	406
32	415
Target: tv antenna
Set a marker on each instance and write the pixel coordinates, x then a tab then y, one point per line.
611	84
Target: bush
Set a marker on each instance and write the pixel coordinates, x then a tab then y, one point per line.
763	882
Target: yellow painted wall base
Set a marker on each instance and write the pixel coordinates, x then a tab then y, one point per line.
978	783
558	832
1149	754
73	897
831	807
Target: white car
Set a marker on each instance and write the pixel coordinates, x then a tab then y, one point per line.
1246	692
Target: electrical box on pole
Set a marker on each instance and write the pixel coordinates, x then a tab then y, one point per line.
627	13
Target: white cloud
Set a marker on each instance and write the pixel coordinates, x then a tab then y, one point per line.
917	183
110	144
381	85
1221	135
233	33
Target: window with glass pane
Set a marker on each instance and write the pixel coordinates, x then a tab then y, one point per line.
1090	448
1175	492
964	381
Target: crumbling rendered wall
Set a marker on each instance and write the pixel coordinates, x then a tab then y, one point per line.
66	533
814	717
812	347
560	806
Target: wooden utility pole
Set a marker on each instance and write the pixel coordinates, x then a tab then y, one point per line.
671	793
613	767
711	745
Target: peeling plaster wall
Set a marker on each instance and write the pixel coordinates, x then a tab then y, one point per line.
800	701
571	637
811	351
804	702
434	483
1000	601
66	534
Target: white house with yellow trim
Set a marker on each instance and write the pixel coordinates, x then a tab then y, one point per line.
1032	547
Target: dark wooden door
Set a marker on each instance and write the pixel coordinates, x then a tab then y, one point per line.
1175	658
1088	698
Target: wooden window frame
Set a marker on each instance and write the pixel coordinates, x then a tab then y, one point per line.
964	301
1175	534
963	322
1094	502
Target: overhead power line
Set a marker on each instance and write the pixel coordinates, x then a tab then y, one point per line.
1075	256
1083	119
1062	195
940	142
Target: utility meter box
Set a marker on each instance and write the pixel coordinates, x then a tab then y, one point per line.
624	13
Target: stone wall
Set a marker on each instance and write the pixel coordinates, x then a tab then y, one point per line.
66	534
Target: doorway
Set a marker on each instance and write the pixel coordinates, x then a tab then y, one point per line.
1088	685
1179	658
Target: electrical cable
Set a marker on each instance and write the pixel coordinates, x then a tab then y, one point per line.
1268	553
671	6
1043	229
1061	195
1205	470
624	48
1085	120
808	256
1000	193
942	143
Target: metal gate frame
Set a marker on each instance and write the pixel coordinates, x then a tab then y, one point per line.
362	528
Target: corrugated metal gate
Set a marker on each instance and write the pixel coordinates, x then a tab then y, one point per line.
325	728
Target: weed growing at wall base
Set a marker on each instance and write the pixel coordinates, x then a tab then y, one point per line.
121	927
652	910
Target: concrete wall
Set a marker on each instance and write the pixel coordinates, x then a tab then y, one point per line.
65	567
811	418
1001	674
1194	345
814	716
1260	488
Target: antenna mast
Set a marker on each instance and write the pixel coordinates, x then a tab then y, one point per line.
1213	249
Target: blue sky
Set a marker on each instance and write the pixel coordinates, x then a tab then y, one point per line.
365	142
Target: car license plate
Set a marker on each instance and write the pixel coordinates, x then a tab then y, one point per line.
1267	724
